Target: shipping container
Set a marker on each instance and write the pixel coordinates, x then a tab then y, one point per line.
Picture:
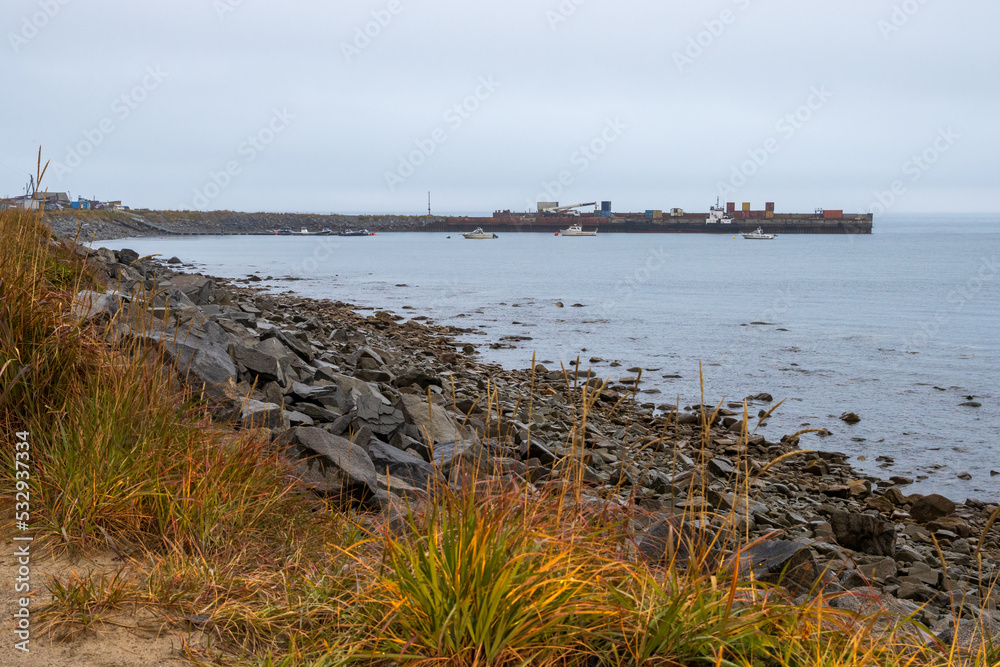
769	206
649	213
676	212
606	206
730	207
768	214
833	214
746	206
657	213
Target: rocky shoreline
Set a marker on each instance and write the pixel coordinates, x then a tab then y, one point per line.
104	225
370	408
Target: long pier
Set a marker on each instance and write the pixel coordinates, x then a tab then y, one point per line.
690	223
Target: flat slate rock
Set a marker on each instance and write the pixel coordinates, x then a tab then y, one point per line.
198	349
331	465
398	464
789	564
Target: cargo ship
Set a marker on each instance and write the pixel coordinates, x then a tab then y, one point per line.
550	217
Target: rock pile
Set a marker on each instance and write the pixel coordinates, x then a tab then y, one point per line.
369	409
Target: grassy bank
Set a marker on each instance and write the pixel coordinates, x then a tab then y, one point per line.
215	542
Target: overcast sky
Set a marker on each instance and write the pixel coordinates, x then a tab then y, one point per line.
365	106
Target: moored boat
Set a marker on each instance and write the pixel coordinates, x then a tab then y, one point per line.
758	234
576	230
480	234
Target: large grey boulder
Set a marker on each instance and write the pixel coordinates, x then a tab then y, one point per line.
433	421
326	394
368	406
257	366
928	508
864	532
238	332
105	255
128	256
258	414
466	453
291	341
421	377
196	287
396	463
198	349
168	302
672	538
330	465
783	562
89	305
968	634
273	347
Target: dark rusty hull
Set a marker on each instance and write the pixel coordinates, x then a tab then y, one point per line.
688	224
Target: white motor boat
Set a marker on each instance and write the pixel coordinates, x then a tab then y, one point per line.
758	234
480	234
576	230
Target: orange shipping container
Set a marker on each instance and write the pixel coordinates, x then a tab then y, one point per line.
746	206
833	214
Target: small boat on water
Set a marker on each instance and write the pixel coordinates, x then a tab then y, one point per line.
758	234
326	231
576	230
352	232
480	234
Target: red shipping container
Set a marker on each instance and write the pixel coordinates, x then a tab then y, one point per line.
769	206
730	207
833	214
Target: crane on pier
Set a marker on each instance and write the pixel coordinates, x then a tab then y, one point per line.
570	210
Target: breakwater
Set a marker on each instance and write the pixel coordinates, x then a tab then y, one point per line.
103	225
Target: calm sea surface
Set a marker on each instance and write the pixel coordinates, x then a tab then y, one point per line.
900	326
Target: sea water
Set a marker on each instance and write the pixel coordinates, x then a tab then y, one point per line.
900	326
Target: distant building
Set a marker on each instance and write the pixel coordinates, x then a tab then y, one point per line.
52	201
55	201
